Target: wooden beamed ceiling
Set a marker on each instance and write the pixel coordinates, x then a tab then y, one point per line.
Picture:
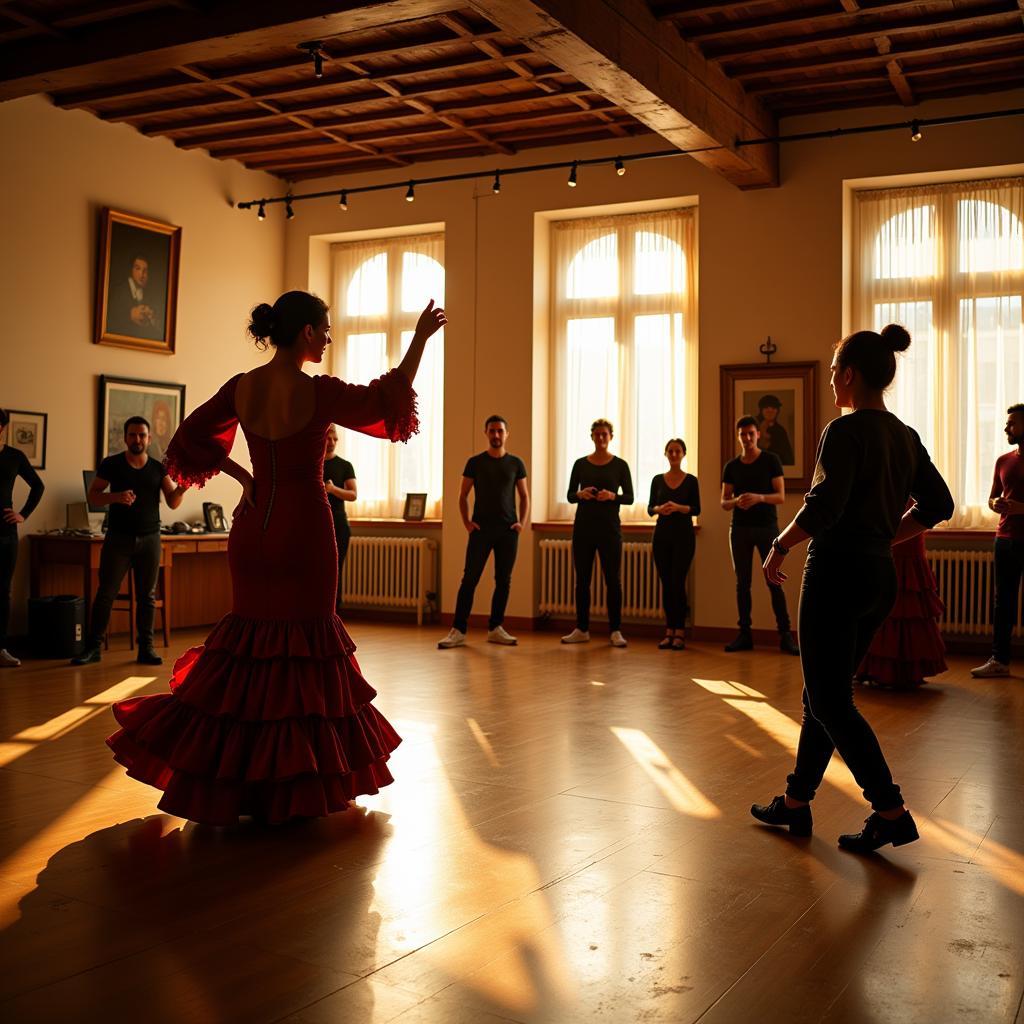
412	80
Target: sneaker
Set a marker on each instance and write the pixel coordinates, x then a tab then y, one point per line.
616	639
797	819
788	645
147	656
743	642
8	660
90	655
455	638
878	832
990	670
577	636
498	635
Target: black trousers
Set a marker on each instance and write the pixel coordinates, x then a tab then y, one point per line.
342	534
843	601
743	542
121	553
673	555
8	560
608	545
504	542
1009	566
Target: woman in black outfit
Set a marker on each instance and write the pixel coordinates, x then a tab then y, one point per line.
868	464
13	464
675	500
598	485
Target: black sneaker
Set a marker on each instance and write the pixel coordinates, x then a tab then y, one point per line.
743	642
798	819
90	655
147	656
879	832
788	645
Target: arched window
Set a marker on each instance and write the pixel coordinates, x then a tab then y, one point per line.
382	285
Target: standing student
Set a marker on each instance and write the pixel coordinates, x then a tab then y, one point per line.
496	478
1007	498
340	484
598	485
13	463
753	486
868	464
675	500
132	542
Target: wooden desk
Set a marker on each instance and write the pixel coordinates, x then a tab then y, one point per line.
196	563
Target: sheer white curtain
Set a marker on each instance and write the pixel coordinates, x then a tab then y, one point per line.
380	287
624	342
947	262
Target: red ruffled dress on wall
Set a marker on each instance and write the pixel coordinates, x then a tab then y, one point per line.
270	717
908	646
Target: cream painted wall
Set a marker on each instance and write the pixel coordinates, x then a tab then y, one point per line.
771	262
58	169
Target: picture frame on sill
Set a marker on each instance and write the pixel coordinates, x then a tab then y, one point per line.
415	507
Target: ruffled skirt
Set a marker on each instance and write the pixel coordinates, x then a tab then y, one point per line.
268	718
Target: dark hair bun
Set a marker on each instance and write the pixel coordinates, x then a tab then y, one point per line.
261	323
896	337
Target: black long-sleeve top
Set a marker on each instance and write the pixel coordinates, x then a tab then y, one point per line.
868	463
613	476
687	493
14	463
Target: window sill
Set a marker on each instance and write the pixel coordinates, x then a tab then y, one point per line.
414	524
564	526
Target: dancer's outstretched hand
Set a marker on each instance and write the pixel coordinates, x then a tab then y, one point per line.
431	320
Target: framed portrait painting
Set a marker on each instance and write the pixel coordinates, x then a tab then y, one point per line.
26	431
161	405
783	398
137	282
415	507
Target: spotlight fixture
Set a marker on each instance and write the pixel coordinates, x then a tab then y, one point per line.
410	193
572	176
289	213
261	213
496	187
620	167
343	200
315	51
915	130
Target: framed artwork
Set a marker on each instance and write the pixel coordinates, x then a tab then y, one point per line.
137	282
783	398
415	507
163	405
213	515
26	431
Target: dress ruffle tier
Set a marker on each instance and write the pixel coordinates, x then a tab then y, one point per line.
268	718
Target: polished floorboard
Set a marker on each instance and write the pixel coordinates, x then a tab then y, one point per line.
568	840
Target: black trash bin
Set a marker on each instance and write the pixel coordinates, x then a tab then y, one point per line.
56	626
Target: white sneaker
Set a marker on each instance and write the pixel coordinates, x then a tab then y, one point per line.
577	636
498	635
617	639
453	639
8	660
990	670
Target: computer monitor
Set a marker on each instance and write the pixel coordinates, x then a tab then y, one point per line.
88	475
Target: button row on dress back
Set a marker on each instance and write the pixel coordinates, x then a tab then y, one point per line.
273	483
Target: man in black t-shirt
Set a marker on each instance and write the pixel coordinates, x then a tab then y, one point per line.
753	486
340	484
133	536
496	478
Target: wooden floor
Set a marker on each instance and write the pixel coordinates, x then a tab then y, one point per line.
568	840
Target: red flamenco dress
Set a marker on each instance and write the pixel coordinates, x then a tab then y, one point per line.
908	646
271	717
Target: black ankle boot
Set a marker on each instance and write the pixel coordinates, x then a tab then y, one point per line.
147	656
90	655
879	832
777	813
743	642
788	645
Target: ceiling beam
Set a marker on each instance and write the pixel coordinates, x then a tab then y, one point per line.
132	47
644	67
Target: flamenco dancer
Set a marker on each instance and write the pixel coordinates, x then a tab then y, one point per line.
271	717
868	464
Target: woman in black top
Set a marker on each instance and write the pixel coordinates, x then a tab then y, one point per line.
675	500
13	464
598	485
868	464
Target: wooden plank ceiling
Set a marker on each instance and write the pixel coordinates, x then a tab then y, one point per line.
412	80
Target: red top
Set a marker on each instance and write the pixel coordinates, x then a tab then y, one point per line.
1009	481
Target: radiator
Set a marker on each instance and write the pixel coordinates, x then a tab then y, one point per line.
966	580
641	588
390	572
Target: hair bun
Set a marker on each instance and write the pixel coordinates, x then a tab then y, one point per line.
261	321
896	337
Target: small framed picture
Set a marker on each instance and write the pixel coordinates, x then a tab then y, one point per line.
415	507
27	432
161	405
213	515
